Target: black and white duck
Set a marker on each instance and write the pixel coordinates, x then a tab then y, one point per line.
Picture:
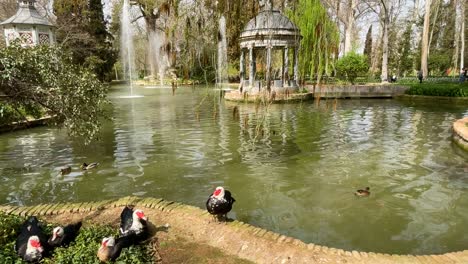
133	221
63	236
31	244
220	202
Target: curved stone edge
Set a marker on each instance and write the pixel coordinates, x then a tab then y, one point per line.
235	96
460	133
250	242
456	100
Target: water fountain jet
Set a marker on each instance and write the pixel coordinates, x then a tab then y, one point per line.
126	47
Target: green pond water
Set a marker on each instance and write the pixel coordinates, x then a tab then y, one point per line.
293	168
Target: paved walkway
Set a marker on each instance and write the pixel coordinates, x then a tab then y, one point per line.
234	238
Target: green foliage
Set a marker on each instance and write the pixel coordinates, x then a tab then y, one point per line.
351	65
320	38
439	62
82	30
405	60
83	250
9	227
9	114
446	89
368	45
44	78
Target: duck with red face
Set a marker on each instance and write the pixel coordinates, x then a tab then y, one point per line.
31	244
220	203
63	236
133	221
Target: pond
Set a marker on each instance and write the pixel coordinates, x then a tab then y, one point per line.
293	168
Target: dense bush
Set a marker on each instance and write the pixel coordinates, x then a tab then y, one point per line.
447	89
43	78
352	65
83	250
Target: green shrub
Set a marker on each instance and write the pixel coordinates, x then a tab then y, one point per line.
447	89
351	65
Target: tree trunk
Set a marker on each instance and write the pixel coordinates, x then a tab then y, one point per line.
349	27
384	76
434	16
456	40
463	40
425	39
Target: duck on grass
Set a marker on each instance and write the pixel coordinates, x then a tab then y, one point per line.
82	250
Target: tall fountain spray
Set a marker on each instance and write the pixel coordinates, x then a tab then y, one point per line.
222	53
157	41
126	41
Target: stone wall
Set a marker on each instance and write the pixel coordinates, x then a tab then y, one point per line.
460	133
357	91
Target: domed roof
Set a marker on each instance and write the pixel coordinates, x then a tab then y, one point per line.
27	14
270	27
270	19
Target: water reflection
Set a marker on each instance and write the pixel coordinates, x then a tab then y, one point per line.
292	168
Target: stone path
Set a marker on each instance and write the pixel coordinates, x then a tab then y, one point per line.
234	238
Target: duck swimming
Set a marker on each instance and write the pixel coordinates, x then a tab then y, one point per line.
363	193
86	166
66	170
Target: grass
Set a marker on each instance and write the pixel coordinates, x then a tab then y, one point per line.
83	250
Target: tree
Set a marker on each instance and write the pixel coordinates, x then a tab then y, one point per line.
44	79
405	61
320	38
425	39
368	45
82	30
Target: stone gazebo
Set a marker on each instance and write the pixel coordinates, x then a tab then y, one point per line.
269	31
27	25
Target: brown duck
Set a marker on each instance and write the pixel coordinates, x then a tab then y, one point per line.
363	193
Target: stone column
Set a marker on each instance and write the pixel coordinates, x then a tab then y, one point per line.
251	66
285	67
296	65
268	68
35	36
242	66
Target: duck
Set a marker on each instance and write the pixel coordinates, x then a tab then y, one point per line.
66	170
363	193
220	203
31	243
63	236
133	221
111	248
86	166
